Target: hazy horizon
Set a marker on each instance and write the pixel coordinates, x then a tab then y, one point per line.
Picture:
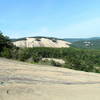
54	37
52	18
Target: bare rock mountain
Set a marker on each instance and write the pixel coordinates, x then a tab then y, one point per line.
41	42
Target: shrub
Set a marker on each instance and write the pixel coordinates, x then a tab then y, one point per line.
36	57
54	40
4	42
6	53
14	53
38	39
24	54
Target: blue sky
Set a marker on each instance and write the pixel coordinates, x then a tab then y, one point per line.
54	18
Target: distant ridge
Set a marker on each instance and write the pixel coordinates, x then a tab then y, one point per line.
80	39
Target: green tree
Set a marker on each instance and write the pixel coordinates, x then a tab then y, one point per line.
4	42
6	53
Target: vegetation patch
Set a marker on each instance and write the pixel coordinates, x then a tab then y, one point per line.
38	39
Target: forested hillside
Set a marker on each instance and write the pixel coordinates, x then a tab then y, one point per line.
87	44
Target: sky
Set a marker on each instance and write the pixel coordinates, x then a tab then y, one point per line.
53	18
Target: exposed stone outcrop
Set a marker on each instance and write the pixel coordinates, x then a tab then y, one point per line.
42	42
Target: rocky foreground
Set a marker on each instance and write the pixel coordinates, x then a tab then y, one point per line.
22	81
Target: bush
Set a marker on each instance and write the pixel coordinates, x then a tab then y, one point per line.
4	42
6	53
24	54
38	39
54	40
14	53
36	57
